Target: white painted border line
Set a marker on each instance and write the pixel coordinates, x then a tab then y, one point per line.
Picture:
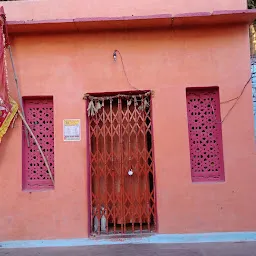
154	239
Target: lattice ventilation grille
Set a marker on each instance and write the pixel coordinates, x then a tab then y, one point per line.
205	138
39	115
121	141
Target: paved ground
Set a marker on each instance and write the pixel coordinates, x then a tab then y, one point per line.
218	249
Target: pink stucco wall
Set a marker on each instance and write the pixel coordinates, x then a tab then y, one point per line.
69	65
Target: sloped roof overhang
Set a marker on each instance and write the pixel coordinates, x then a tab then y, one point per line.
161	21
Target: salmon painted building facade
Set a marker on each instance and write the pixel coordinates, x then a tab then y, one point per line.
143	110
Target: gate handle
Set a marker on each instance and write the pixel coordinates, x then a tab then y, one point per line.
130	172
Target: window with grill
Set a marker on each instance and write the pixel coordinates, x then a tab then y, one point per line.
39	115
205	135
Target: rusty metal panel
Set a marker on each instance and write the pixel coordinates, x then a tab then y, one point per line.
121	167
39	115
205	134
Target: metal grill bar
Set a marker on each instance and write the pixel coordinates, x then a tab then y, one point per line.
121	166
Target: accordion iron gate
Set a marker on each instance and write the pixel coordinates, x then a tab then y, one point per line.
122	194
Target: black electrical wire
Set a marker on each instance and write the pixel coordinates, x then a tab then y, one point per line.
236	100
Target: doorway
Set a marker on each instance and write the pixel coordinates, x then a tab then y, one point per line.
122	184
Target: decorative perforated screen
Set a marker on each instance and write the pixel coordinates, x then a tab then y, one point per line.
205	137
39	115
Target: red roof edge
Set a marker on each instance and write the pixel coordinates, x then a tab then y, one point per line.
133	22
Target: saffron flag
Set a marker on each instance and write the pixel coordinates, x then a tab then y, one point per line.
8	107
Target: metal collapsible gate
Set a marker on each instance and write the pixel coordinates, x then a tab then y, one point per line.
121	164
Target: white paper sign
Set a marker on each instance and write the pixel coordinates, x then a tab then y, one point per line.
71	130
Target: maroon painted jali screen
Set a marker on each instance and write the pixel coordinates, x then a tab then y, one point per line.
205	135
121	164
39	115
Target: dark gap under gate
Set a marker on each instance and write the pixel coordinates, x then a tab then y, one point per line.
122	196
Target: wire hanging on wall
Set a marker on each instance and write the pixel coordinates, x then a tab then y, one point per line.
236	100
126	76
